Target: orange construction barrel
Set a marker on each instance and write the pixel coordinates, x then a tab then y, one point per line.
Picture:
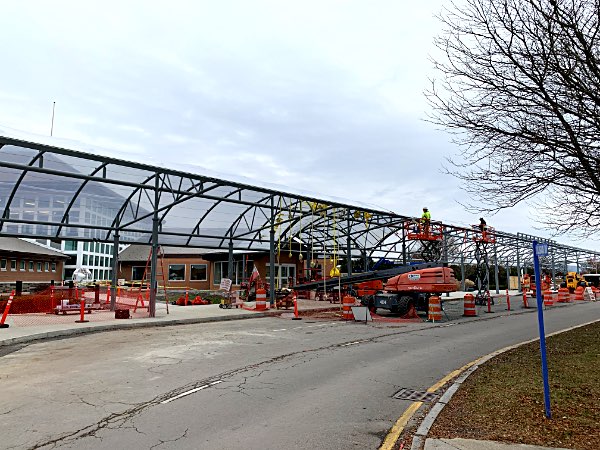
547	296
435	309
579	294
261	300
563	296
347	303
469	305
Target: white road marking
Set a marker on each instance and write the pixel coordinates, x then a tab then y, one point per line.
350	343
281	329
191	391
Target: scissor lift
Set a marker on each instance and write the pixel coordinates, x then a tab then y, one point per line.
431	237
482	238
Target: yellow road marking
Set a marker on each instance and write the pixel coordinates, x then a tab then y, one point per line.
394	434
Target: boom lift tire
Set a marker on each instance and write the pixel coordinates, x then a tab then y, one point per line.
404	304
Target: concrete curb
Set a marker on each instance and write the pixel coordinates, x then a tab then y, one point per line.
72	332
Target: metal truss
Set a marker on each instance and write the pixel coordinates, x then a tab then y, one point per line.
52	192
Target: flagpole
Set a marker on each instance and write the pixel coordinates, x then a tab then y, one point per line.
52	126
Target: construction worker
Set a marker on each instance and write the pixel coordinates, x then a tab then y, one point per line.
482	224
425	220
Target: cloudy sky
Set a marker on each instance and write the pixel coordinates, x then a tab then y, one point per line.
325	95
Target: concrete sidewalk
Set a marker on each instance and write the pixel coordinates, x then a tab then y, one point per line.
473	444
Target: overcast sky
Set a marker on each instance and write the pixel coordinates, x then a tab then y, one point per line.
319	95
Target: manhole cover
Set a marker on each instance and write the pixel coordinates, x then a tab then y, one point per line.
411	394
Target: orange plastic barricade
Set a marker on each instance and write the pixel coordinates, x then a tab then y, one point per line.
6	310
469	304
525	304
261	300
563	296
547	296
347	303
579	294
435	309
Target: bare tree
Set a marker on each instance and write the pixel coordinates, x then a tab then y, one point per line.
519	87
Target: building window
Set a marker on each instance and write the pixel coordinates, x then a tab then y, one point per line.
31	266
176	272
86	246
13	264
39	266
198	272
70	245
53	266
221	271
46	266
137	273
21	265
96	260
283	274
85	260
3	264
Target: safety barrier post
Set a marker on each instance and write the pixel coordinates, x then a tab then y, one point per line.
507	301
489	302
525	305
108	296
51	297
82	312
296	307
187	297
6	309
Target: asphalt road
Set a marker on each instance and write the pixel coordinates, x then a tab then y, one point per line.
254	384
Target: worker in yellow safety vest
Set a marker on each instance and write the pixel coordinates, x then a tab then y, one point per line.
425	220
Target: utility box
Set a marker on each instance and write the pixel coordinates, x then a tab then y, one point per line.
121	314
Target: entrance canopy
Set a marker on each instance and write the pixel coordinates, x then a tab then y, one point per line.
56	189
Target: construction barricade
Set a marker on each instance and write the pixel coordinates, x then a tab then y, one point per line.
548	299
578	297
347	303
435	309
261	300
469	306
563	296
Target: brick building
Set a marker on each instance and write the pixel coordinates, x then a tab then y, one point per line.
203	269
31	263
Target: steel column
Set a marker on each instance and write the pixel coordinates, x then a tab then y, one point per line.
496	274
462	272
518	268
115	268
154	257
272	254
230	262
348	243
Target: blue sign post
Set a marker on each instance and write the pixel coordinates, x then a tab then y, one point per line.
541	250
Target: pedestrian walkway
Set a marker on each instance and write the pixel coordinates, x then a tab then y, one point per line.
473	444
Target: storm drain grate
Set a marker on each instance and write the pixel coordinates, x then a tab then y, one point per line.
411	394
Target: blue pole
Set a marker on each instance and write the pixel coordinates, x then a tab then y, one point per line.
540	312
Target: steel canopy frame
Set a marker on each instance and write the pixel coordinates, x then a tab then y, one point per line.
53	192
